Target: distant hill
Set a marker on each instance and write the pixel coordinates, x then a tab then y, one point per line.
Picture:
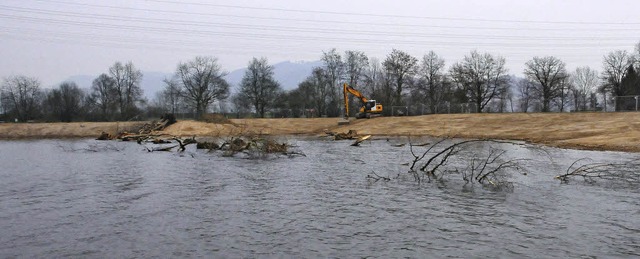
289	74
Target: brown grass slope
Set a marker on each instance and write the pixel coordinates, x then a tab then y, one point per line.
597	131
63	130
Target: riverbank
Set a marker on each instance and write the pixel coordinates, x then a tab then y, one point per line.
596	131
63	130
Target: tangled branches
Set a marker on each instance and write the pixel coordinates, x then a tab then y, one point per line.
491	169
626	172
253	147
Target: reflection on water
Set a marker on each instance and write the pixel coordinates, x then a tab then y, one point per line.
110	199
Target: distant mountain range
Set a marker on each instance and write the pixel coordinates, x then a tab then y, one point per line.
289	74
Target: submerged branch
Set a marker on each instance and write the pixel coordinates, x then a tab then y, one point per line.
493	169
627	172
375	177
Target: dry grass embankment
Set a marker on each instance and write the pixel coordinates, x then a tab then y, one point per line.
64	130
597	131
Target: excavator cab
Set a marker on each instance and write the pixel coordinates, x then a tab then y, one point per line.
369	108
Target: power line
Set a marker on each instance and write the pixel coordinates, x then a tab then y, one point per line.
388	15
335	13
265	43
290	29
283	43
199	23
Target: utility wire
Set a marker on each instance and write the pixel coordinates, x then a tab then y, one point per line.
364	14
368	24
267	42
326	32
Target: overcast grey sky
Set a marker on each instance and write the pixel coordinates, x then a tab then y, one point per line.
55	39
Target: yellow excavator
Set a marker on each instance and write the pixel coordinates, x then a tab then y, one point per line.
369	107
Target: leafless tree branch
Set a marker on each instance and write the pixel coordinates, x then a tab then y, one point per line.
626	172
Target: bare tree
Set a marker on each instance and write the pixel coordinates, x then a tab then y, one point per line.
432	80
65	102
316	91
22	95
614	67
241	105
372	77
481	76
355	63
259	87
126	82
505	98
584	82
525	87
171	95
103	97
202	82
400	66
550	73
334	70
564	88
298	101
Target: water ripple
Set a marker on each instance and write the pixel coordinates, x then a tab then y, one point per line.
124	202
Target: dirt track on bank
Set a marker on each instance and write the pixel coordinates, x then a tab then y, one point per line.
597	131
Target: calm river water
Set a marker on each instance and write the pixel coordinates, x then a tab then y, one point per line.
83	198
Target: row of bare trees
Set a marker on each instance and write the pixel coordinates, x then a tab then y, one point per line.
478	83
200	82
113	95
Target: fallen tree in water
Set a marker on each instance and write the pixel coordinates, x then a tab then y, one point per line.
624	172
447	157
490	168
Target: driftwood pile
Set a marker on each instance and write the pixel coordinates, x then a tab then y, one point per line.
252	146
144	132
149	136
350	135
